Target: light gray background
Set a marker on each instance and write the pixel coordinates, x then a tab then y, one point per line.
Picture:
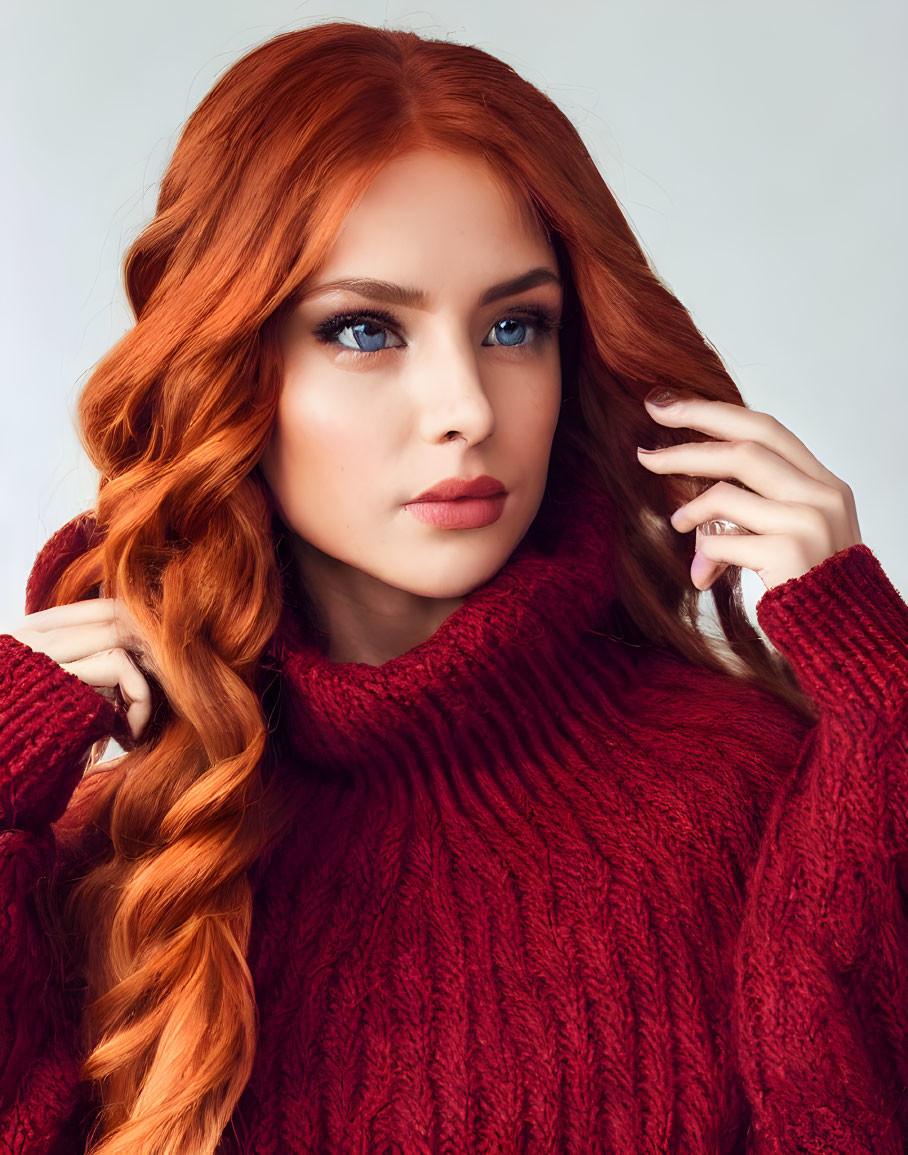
757	149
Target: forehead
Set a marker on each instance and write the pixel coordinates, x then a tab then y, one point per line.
435	223
454	189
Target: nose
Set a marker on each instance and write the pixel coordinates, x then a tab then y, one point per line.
450	392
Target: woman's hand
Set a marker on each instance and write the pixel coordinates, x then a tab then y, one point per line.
93	639
798	515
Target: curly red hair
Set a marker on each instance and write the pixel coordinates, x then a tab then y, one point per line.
175	418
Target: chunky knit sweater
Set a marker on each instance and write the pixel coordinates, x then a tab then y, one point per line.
549	891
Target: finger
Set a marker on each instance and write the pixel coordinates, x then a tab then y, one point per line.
750	511
739	423
93	610
77	629
775	558
763	470
72	642
704	571
109	670
113	668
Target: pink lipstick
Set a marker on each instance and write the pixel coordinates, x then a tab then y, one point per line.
457	503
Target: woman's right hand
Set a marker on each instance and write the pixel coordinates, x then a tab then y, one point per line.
93	639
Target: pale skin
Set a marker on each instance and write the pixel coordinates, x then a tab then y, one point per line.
389	408
95	641
355	439
798	515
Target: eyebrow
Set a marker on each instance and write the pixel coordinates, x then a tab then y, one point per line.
408	297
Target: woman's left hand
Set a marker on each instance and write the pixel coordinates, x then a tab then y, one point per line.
798	515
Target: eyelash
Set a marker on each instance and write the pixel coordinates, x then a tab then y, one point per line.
543	320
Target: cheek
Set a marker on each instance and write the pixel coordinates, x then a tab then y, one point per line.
315	423
322	441
540	406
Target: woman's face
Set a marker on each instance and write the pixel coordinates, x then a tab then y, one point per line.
374	411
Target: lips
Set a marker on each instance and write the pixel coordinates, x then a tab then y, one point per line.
453	488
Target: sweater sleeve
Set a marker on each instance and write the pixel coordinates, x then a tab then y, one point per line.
49	719
820	1014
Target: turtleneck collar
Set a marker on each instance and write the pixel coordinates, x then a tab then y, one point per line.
497	653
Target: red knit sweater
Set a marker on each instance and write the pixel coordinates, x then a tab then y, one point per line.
549	891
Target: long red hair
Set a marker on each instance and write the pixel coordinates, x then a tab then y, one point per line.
175	417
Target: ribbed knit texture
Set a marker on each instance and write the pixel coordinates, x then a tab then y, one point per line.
547	891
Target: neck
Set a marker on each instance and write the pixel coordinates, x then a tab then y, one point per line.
359	617
512	655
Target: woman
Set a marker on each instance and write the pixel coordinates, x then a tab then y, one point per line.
442	826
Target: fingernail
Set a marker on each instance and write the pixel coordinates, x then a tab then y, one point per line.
700	570
661	397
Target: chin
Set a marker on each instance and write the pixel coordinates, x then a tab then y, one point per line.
458	580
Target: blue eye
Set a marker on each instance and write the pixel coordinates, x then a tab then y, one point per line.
365	341
521	324
543	321
330	329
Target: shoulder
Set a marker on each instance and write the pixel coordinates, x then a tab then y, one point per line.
69	542
699	724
